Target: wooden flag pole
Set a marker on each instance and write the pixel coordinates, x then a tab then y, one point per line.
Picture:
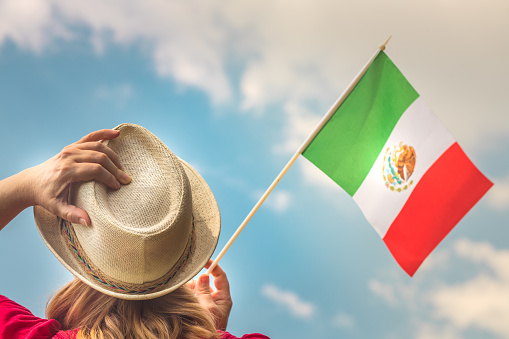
301	149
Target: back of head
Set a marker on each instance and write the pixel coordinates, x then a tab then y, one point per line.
97	315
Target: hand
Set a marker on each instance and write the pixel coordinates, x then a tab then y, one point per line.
86	160
219	302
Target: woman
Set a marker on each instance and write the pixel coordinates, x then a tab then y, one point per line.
132	241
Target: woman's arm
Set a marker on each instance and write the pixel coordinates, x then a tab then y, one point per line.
48	184
14	196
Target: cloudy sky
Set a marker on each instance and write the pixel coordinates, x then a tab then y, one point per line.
234	87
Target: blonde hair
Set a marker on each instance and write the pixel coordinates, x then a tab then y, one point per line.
99	316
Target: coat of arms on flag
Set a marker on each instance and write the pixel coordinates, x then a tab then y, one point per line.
411	179
398	166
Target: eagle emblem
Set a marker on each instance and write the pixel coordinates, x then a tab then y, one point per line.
398	166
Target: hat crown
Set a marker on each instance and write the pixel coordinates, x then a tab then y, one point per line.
147	238
139	232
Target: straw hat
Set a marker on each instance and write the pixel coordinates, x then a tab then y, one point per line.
147	238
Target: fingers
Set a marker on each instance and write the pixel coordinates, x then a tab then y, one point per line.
83	172
92	160
203	285
202	291
101	148
218	303
220	279
103	159
86	160
93	140
73	214
103	134
191	284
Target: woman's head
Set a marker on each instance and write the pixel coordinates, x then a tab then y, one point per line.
97	315
145	239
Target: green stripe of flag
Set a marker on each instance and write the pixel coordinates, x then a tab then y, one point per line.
349	143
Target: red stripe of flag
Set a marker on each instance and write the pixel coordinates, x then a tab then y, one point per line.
445	193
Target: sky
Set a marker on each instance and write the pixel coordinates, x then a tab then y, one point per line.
234	88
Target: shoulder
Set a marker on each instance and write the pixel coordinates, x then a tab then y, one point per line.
71	334
18	322
226	335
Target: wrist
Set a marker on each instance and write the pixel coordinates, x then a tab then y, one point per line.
25	188
16	194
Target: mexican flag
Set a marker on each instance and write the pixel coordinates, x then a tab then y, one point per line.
387	149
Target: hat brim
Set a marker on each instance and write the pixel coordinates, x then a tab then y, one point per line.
207	222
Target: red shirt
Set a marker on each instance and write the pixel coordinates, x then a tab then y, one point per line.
18	322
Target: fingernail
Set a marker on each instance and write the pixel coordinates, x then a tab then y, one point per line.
83	222
125	178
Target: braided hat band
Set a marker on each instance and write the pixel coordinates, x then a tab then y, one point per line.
111	283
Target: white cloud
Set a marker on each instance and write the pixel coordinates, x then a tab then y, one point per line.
307	51
483	301
30	24
329	192
480	303
278	201
314	176
344	321
289	301
442	309
119	94
483	253
384	291
430	331
498	195
300	122
301	53
186	40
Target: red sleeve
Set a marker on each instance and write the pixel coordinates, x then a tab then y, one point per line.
18	322
226	335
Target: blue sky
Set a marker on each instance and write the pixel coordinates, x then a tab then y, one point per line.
234	87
